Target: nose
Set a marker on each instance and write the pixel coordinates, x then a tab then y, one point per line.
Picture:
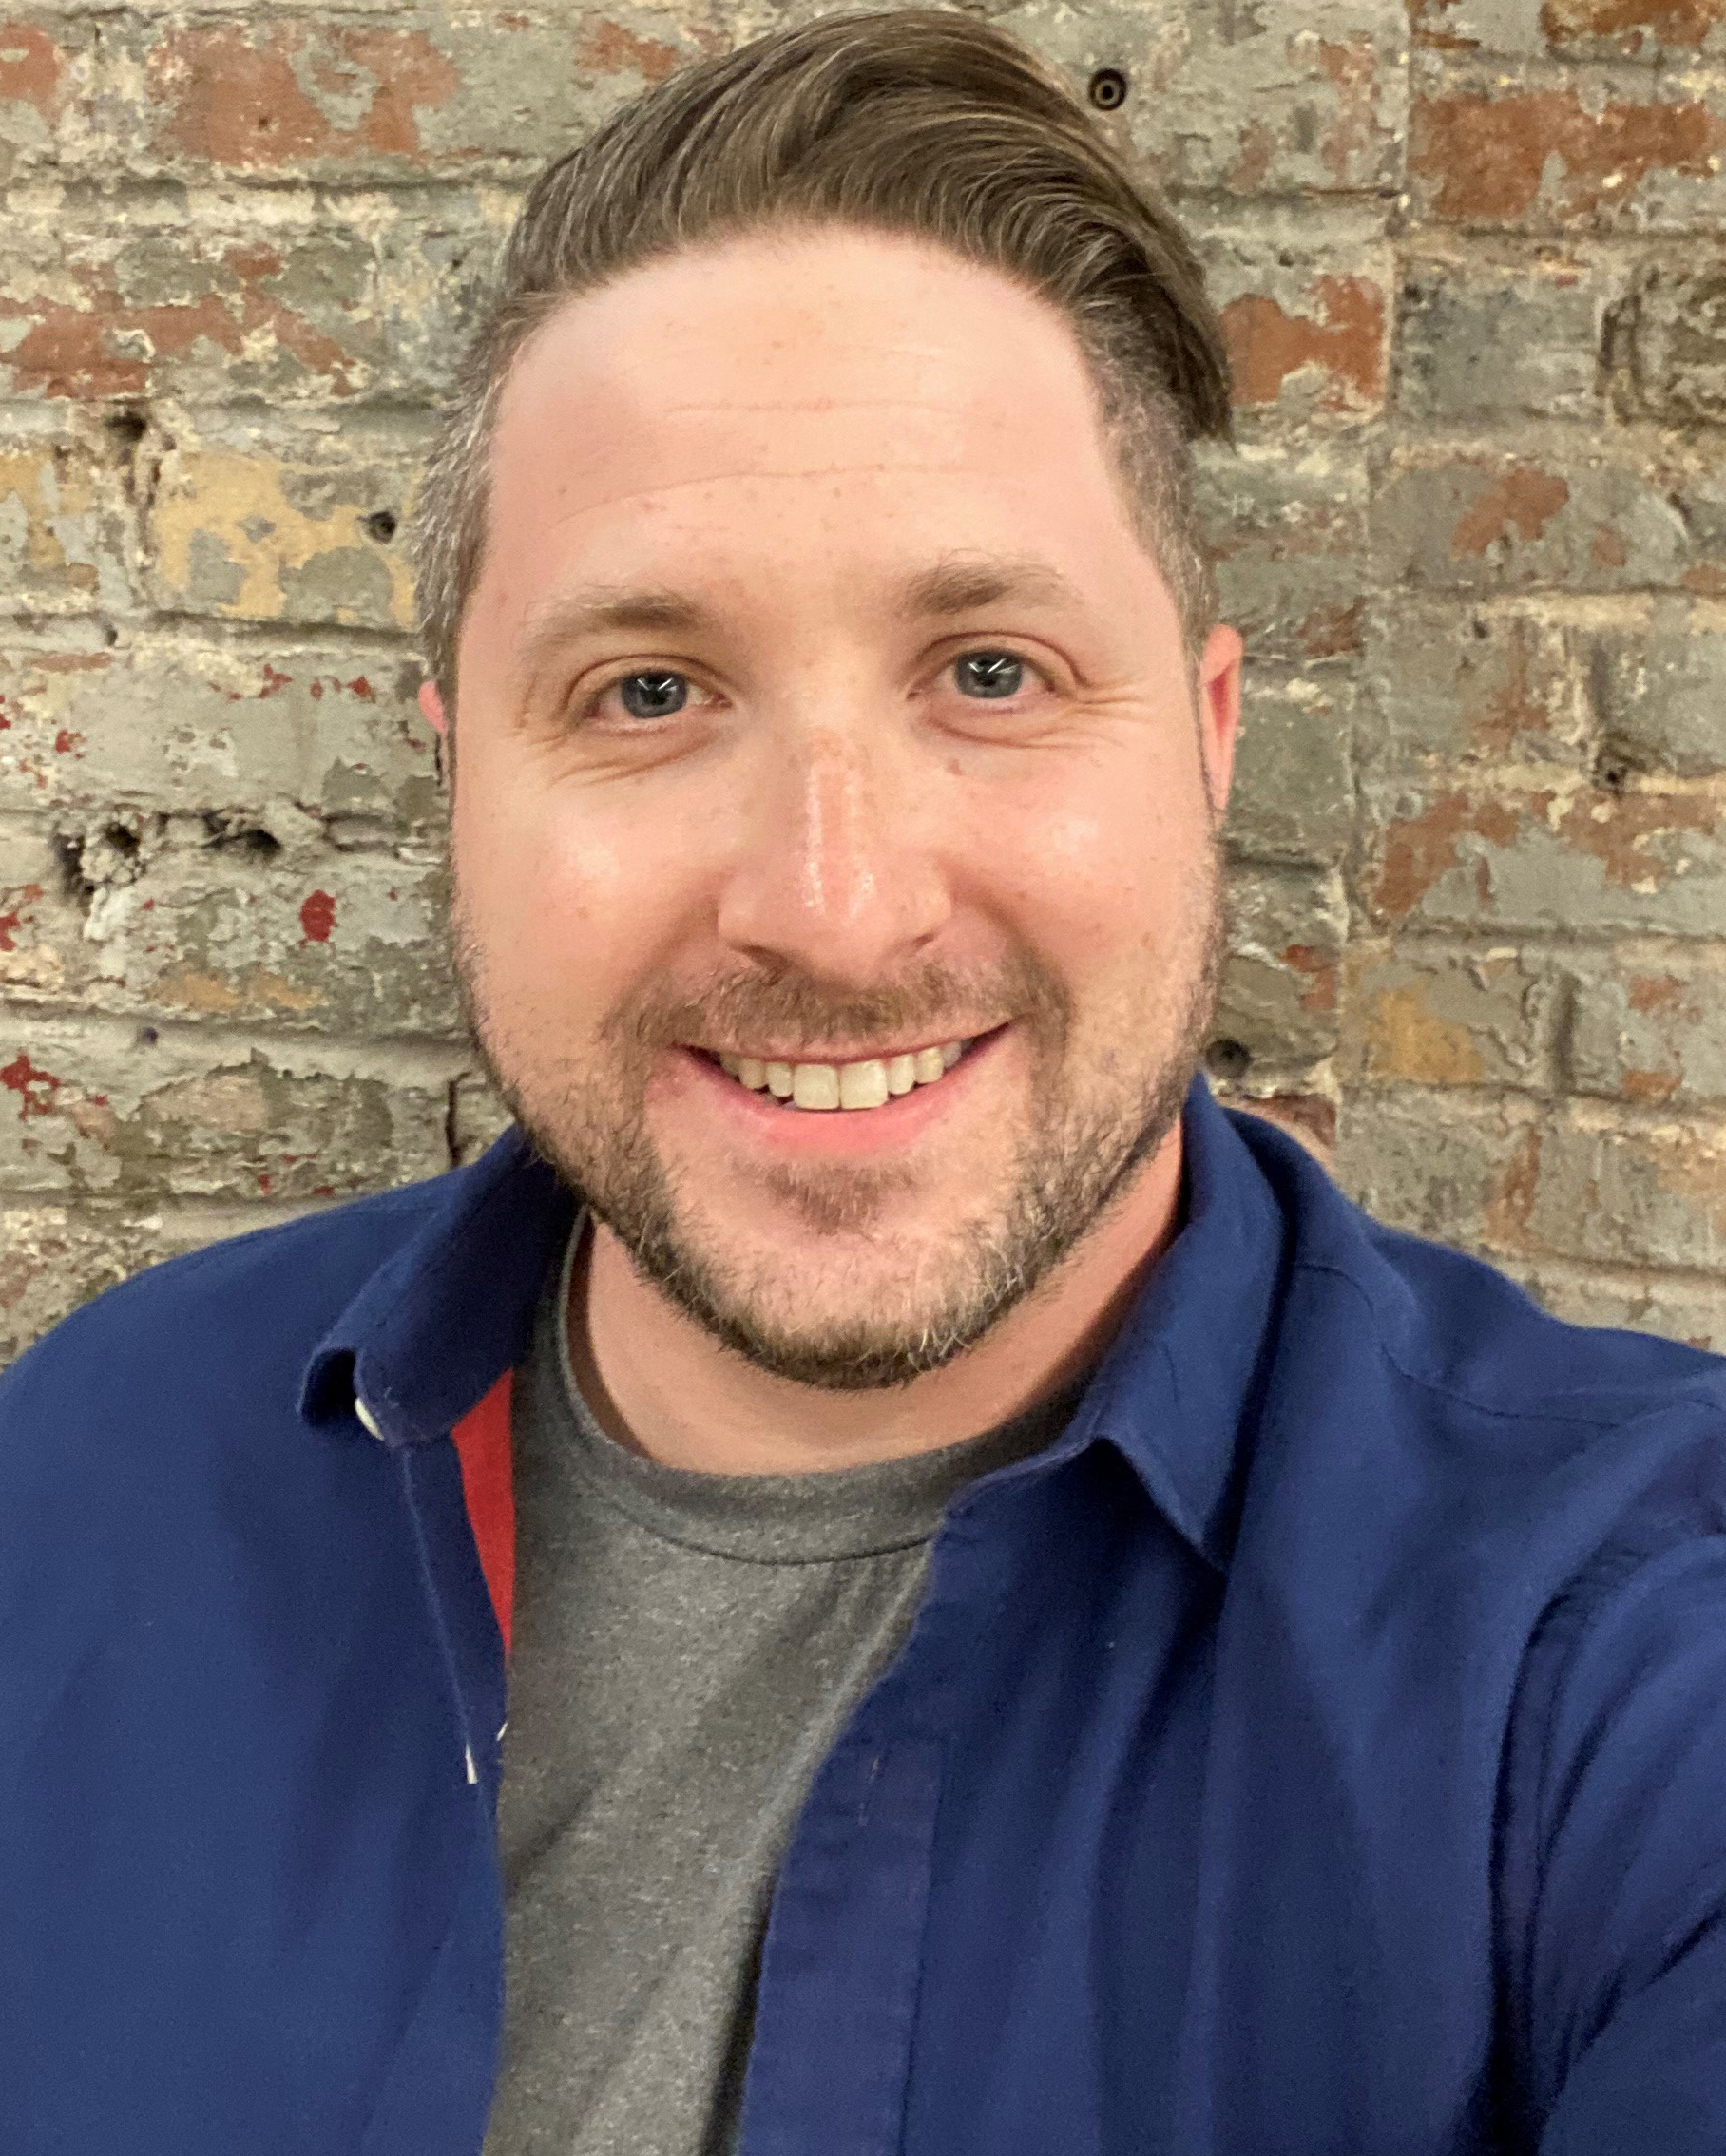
837	872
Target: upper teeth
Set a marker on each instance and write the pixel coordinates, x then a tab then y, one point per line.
845	1085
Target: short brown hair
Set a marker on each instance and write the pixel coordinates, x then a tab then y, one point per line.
914	122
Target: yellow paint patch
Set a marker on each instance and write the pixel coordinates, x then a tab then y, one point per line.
186	989
1404	1041
49	491
236	509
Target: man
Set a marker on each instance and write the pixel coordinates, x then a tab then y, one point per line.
1033	1628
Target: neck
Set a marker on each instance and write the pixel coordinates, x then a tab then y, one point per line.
660	1384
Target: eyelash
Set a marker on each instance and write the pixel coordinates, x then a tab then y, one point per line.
589	710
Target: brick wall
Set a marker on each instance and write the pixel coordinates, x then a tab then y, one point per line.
1471	256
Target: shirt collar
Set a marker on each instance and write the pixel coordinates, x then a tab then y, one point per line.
1177	1384
442	1320
436	1325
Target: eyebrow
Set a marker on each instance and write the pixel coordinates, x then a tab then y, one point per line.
957	584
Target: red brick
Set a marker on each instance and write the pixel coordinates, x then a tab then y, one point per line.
1507	858
1309	339
1649	1025
421	90
1648	31
46	84
1456	688
160	306
1637	29
1563	148
1557	516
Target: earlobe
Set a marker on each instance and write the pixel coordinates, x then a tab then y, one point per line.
431	705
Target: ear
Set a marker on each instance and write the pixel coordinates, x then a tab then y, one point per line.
431	704
1219	712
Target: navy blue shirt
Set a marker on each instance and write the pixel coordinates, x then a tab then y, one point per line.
1320	1748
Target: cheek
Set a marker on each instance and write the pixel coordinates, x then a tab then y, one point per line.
1098	865
572	897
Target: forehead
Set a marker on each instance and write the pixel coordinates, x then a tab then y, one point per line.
802	393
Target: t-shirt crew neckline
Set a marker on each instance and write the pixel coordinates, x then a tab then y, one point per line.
787	1519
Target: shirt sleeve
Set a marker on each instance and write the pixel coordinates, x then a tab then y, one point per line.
1612	1870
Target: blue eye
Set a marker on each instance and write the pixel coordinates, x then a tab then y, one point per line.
990	672
654	695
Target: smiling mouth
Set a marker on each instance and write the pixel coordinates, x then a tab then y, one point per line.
870	1083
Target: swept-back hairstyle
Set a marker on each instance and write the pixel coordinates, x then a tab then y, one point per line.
934	125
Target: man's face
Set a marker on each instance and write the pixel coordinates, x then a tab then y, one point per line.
819	706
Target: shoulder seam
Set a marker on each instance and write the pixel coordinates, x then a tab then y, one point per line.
1468	1399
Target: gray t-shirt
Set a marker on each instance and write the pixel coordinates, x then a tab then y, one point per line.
687	1648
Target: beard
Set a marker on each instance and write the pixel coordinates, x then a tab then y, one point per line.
1085	1136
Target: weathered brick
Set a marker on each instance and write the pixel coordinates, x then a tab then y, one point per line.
52	1258
1293	797
1433	1014
192	917
304	526
436	252
1306	309
1580	1182
1267	101
1668	350
1310	1118
1649	1024
47	83
151	302
90	1109
1482	337
1289	530
171	722
55	1256
1280	990
1245	100
1568	147
1509	860
318	95
61	548
477	1117
353	942
1453	688
1242	100
1691	1311
41	954
1470	520
1649	30
1661	690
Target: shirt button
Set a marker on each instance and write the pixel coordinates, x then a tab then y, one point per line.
365	1419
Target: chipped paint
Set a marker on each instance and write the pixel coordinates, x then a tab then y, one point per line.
317	917
246	535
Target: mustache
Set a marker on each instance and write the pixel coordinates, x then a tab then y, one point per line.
936	1000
